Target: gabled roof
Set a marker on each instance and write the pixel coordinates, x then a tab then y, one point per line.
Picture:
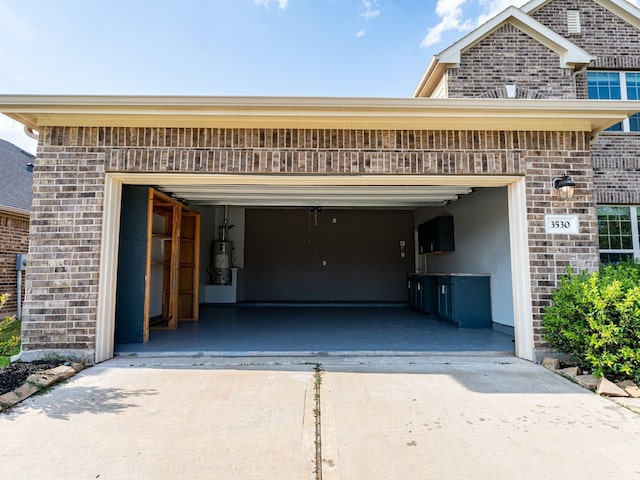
570	54
623	9
16	179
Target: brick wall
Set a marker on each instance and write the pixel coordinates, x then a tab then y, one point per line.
14	239
551	254
616	46
60	310
616	163
614	42
62	272
509	56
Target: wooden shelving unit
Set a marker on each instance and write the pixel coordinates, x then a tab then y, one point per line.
173	253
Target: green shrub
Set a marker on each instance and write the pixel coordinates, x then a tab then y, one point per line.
595	318
9	335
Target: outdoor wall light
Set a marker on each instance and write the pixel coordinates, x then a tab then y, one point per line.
564	187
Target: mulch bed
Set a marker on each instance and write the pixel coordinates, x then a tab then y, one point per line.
15	374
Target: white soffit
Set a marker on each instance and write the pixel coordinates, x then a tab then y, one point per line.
622	8
316	195
36	111
570	54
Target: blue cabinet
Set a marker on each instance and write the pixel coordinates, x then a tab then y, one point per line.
436	235
445	298
462	299
466	300
422	293
412	284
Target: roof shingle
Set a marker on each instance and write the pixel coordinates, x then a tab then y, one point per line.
16	177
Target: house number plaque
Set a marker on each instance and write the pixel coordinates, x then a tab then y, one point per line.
564	224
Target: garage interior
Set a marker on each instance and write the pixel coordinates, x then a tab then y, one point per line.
308	269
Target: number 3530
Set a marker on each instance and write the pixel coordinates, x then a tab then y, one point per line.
560	224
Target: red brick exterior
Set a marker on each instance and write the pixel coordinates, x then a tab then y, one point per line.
13	240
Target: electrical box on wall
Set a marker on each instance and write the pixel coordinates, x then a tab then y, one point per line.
21	262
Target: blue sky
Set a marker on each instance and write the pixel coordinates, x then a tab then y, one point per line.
339	48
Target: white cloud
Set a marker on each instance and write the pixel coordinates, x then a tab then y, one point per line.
370	9
13	132
450	13
265	3
452	16
494	7
360	33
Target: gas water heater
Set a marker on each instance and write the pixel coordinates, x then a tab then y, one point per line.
223	253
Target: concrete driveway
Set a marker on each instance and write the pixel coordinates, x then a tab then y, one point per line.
429	417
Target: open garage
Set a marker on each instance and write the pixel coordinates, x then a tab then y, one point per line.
480	169
317	269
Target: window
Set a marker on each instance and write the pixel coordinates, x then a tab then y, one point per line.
616	86
618	233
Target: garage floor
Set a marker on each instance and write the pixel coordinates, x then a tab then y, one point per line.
241	330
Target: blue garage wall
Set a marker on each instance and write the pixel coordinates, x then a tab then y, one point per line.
481	228
132	256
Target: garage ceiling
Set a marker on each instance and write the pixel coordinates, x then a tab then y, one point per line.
324	196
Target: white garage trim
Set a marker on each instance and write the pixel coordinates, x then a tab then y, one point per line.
521	275
106	312
111	225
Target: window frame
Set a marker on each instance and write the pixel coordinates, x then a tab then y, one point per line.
624	95
635	234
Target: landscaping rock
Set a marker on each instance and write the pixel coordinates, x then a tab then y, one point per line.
551	363
9	399
78	367
43	379
25	391
570	372
15	374
34	382
631	388
610	389
63	372
588	381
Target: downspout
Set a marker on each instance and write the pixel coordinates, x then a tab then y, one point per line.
30	133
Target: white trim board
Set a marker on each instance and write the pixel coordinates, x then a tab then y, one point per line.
111	221
570	54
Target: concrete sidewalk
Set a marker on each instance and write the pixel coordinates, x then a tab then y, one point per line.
428	417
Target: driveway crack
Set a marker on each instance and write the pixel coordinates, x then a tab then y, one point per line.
317	413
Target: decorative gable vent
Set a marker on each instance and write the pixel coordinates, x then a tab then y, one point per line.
573	21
